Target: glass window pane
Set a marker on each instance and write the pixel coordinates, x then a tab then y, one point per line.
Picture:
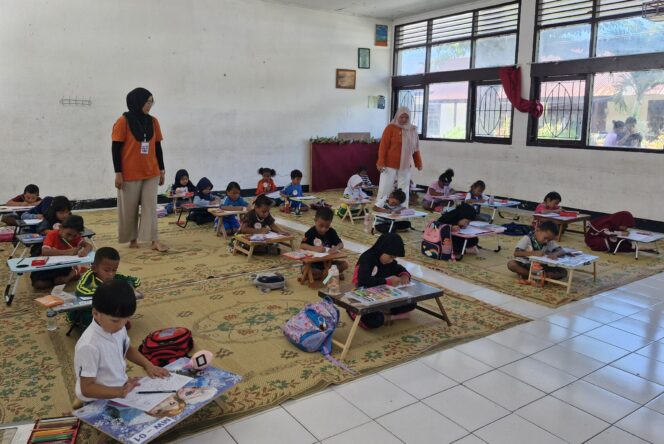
628	110
414	100
564	43
450	56
634	35
411	61
447	110
495	51
493	112
563	110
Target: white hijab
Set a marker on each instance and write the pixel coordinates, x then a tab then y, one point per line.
410	141
352	190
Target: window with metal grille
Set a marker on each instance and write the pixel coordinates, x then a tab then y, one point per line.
446	58
599	65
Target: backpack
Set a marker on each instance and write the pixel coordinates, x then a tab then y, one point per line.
437	241
311	329
162	347
514	229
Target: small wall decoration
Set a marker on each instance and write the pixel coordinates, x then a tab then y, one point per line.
346	78
363	58
381	35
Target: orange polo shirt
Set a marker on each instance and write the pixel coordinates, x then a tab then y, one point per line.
137	166
389	151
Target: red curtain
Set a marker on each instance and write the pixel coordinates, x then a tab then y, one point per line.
511	79
332	164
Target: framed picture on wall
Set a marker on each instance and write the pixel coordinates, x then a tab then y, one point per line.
363	58
346	78
381	35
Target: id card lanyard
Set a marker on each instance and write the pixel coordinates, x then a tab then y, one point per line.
145	144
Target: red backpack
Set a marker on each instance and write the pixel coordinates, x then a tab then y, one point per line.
162	347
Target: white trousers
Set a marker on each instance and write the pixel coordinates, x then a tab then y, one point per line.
386	184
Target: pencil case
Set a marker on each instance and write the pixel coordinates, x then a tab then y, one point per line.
569	213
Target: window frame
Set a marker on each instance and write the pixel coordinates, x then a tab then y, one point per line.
584	68
473	76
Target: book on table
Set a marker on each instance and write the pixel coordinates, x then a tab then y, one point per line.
377	295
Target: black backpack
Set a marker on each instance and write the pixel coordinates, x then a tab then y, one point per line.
514	229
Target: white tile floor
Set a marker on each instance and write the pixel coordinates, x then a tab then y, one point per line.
592	371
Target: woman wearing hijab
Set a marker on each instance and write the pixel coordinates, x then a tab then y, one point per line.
378	266
459	218
399	145
139	169
601	234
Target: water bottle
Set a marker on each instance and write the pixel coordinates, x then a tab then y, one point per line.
333	280
367	223
446	251
51	322
537	274
446	190
491	200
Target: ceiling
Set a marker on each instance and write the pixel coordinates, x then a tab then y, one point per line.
382	9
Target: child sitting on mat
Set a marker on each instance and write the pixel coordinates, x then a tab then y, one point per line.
378	266
393	205
539	242
353	192
233	202
65	241
182	183
551	204
30	197
459	218
294	189
476	195
99	355
438	189
363	172
57	212
322	237
259	220
266	184
203	199
104	268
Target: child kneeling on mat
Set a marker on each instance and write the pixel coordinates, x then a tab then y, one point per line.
321	238
539	242
394	205
378	266
99	356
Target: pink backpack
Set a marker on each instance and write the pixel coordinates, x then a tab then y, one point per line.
437	241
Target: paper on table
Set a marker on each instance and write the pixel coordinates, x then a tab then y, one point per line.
479	224
147	402
470	230
57	260
32	221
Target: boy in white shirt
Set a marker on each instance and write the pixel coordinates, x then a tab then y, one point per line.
99	356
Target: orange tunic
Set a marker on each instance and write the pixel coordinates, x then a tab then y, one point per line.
389	151
137	166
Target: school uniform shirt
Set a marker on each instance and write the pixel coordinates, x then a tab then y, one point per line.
292	190
265	186
328	240
529	243
101	355
228	202
89	282
253	221
53	240
137	166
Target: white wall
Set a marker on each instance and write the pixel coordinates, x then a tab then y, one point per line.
595	180
237	85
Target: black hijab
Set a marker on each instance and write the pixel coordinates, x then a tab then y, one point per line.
139	122
388	243
201	185
462	211
179	175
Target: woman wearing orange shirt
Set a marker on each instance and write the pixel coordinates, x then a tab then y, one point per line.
399	145
139	169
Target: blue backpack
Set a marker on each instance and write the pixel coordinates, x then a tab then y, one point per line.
311	329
